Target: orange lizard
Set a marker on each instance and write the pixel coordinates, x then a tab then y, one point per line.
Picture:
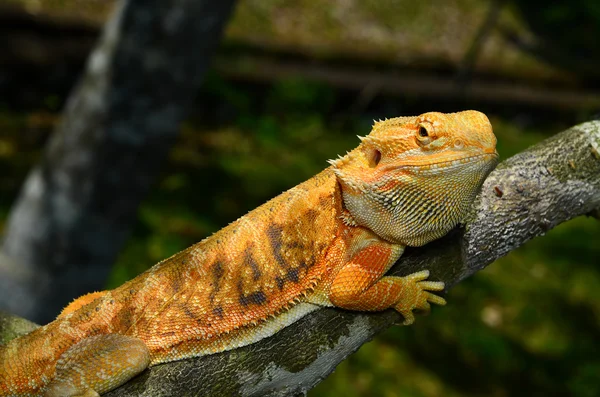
326	242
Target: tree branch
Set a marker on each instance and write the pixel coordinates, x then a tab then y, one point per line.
524	197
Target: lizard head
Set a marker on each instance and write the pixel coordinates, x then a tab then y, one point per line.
412	179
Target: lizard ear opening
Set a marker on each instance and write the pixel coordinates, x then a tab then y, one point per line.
374	158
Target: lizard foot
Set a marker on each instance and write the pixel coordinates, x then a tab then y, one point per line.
417	296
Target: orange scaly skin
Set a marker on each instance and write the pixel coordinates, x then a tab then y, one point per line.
326	242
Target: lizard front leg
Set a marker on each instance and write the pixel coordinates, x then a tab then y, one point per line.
360	283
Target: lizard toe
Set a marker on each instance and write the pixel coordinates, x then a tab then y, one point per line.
432	285
436	299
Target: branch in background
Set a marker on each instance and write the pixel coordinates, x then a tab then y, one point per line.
77	206
43	45
526	196
467	65
421	84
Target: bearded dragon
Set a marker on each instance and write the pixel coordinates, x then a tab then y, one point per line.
326	242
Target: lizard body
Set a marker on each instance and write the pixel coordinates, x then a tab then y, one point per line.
326	242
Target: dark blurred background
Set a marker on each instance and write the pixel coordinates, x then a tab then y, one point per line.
292	84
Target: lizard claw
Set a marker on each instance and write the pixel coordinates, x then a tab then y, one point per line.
418	296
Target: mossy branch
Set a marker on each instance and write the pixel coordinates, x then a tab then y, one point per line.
527	195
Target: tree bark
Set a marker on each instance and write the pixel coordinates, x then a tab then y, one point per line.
76	207
526	196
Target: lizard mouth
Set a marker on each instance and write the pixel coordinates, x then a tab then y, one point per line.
457	162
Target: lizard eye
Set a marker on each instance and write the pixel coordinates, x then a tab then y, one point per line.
423	135
374	158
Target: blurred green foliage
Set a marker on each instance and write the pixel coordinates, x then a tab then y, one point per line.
572	27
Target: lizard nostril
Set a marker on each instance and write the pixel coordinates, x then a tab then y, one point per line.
458	144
